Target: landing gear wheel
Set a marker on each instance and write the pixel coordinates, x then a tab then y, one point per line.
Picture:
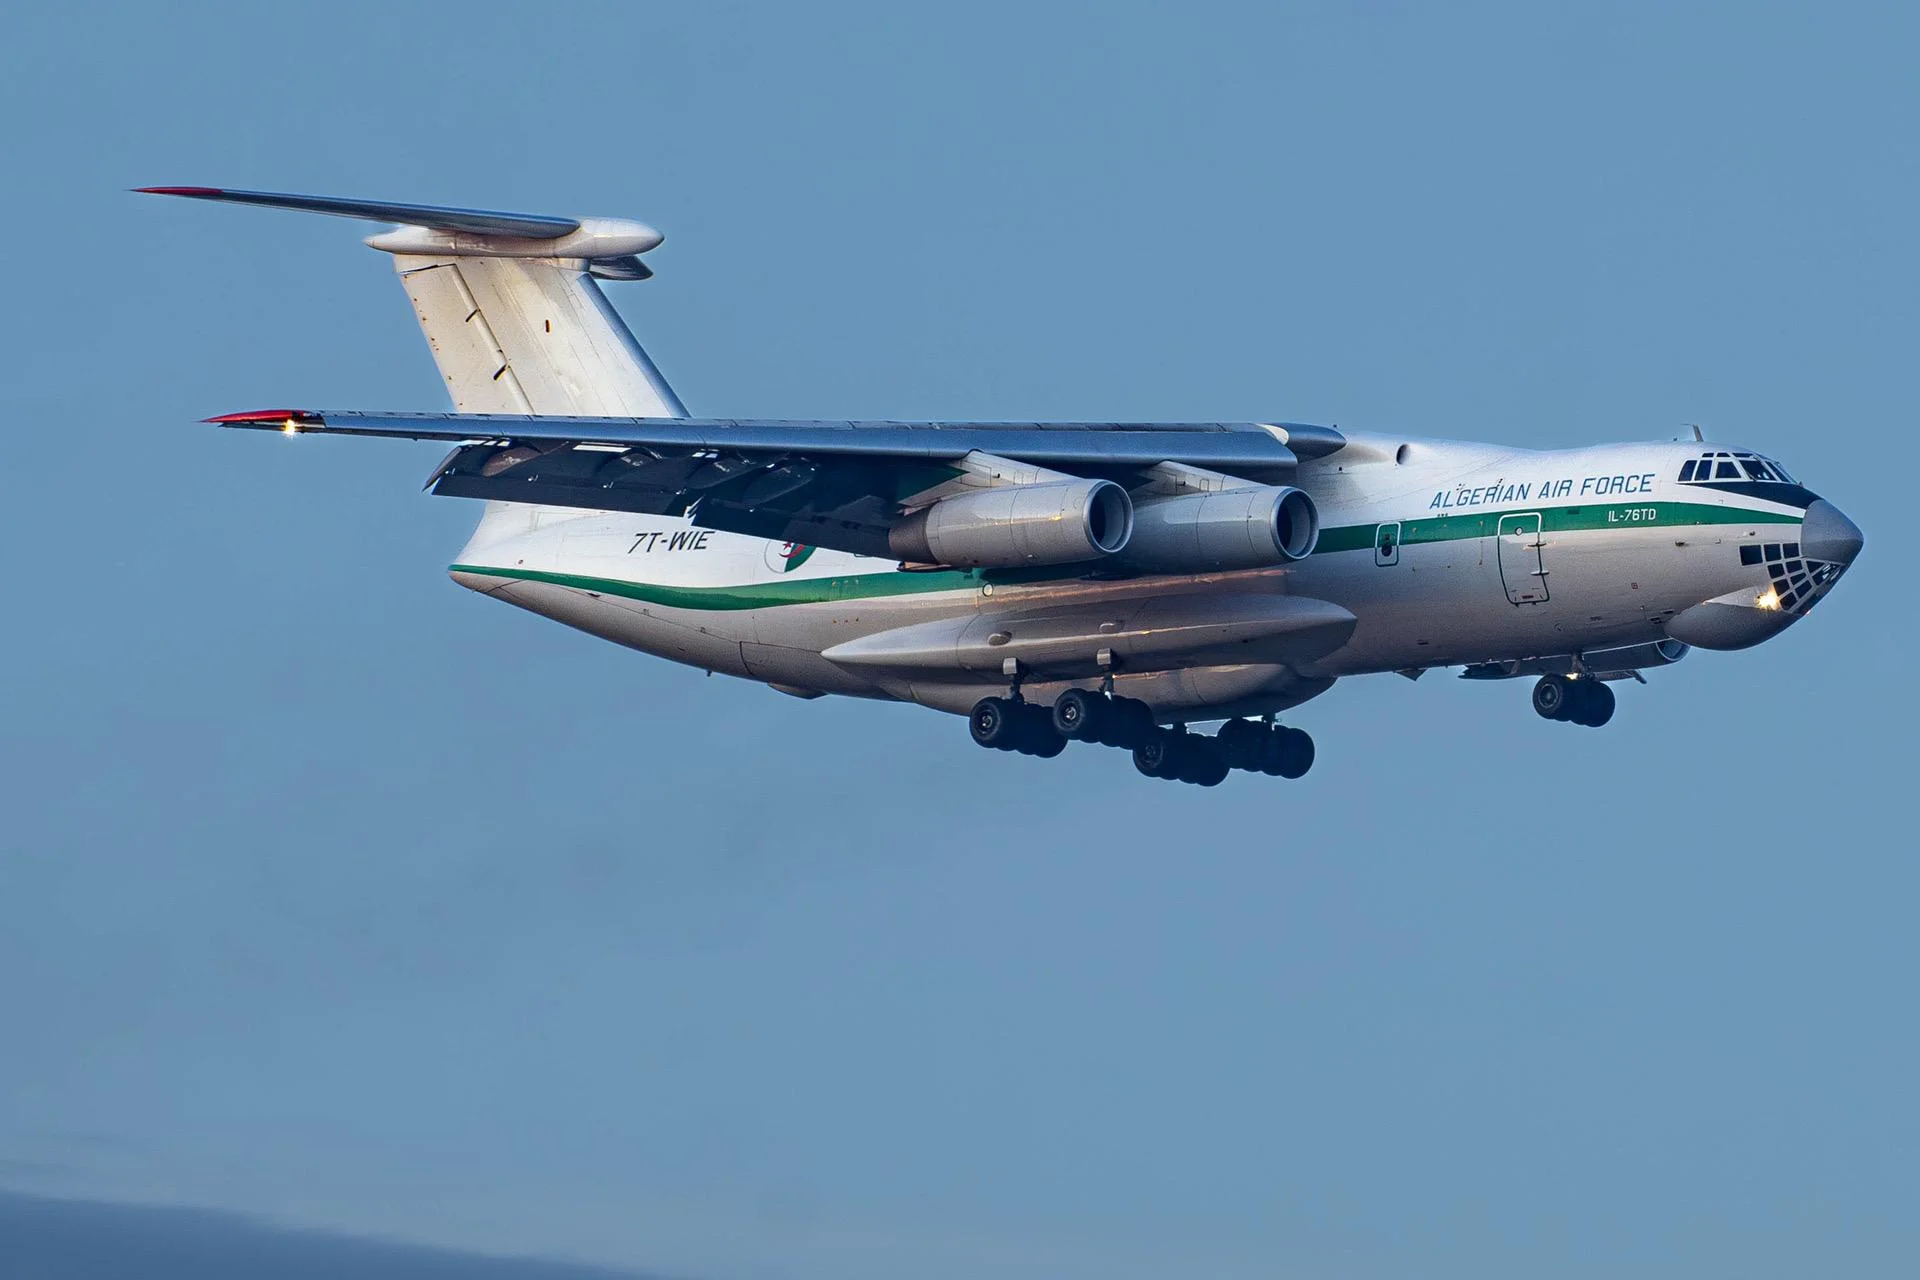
1199	763
1081	715
1037	736
994	723
1242	744
1156	756
1128	723
1554	698
1593	703
1287	753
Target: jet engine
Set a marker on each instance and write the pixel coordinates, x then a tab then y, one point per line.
1058	522
1248	528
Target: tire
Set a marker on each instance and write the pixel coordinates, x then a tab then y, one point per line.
1047	747
1600	704
1579	701
1129	723
994	724
1242	744
1037	736
1081	715
1159	755
1289	753
1554	698
1202	765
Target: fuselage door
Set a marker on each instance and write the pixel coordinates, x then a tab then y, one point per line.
1386	544
1523	567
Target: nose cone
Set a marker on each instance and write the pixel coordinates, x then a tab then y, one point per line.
1828	535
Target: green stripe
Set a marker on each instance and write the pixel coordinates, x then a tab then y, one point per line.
1359	537
752	595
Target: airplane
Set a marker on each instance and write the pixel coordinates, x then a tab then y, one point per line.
1109	583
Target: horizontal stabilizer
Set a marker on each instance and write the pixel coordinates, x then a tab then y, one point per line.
531	226
437	230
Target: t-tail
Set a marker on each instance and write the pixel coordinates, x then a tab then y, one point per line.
509	302
511	308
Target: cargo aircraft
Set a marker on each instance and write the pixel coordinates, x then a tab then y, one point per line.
1111	583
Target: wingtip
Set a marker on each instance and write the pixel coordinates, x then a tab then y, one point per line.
178	191
290	419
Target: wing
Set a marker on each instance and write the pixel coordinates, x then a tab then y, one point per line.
833	484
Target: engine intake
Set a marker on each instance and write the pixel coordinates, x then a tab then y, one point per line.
1230	529
1059	522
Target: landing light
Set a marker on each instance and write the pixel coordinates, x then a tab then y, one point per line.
1771	600
292	427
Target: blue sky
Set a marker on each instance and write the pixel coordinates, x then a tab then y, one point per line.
336	897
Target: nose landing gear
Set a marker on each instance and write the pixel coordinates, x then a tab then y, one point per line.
1581	701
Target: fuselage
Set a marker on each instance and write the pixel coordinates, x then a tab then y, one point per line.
1444	554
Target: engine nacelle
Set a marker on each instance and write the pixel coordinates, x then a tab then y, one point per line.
1059	522
1229	529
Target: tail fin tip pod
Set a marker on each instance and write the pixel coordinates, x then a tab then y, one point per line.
508	302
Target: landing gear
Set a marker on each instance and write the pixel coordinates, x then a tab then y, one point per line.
1182	757
1007	725
1272	749
1081	715
1087	715
1581	701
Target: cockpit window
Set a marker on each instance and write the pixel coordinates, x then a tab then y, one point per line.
1710	467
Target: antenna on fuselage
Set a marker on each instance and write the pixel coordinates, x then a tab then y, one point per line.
1696	431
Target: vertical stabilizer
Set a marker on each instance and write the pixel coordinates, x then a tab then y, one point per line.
531	335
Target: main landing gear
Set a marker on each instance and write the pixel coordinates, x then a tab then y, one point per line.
1582	701
1083	715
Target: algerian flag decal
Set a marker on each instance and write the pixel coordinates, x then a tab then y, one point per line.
787	556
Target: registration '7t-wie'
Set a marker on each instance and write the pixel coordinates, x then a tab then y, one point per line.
1109	583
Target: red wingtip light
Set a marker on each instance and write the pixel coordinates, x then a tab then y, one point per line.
291	421
178	191
268	415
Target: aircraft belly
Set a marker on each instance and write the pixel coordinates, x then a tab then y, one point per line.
623	622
